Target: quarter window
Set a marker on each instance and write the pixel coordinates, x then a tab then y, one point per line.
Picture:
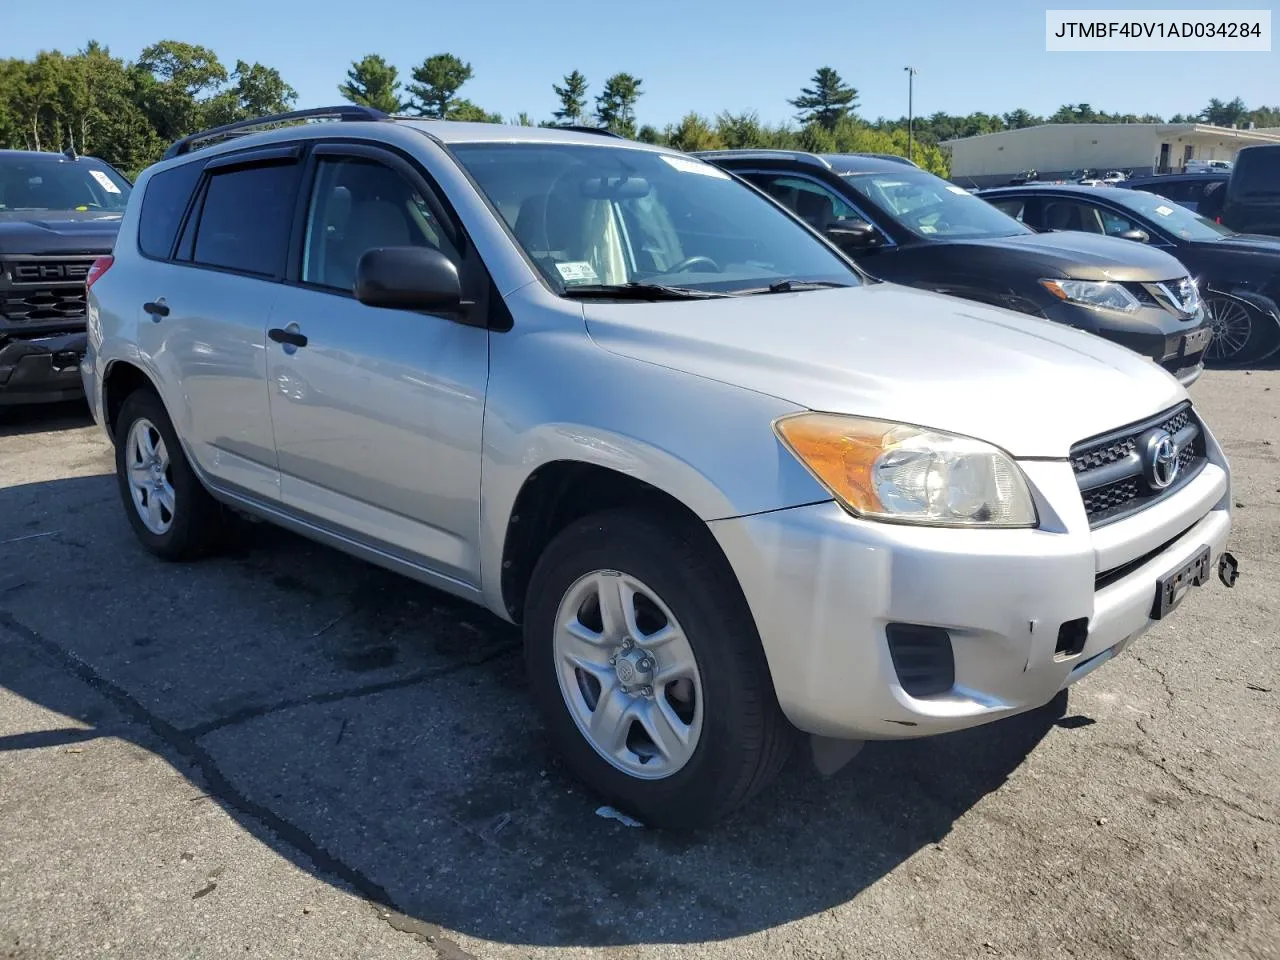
358	204
166	199
244	223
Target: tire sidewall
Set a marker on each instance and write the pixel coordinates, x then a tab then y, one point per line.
707	610
187	490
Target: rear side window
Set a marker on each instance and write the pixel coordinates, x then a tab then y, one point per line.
166	199
245	218
1257	172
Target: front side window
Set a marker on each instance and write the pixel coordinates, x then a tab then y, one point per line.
60	184
814	203
932	208
1015	207
244	222
358	204
604	214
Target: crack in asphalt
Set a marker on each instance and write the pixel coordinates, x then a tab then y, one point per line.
220	787
333	696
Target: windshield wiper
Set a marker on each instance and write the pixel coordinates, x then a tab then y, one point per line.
794	286
638	291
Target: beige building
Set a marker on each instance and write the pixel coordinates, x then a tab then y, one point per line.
1054	150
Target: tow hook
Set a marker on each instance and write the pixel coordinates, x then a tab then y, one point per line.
1228	569
65	360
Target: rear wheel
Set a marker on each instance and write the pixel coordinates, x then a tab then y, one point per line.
169	509
646	664
1241	332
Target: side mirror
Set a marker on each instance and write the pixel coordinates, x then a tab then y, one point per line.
852	234
1139	236
408	278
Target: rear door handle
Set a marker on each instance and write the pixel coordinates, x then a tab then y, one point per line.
290	338
157	308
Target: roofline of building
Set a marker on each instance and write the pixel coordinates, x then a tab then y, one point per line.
1207	128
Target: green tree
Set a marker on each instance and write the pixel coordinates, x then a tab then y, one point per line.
694	132
616	104
189	67
372	82
828	100
466	110
1017	119
573	98
257	91
651	134
437	80
522	119
1225	114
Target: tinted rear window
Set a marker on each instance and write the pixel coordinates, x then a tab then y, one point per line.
1257	172
163	205
244	224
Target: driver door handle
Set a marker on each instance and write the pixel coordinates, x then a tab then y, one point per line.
290	337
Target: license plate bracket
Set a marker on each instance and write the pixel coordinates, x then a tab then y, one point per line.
1174	586
1196	341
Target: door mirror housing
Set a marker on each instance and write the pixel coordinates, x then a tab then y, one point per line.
853	235
408	278
1138	236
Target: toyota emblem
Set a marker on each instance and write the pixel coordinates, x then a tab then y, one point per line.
1160	459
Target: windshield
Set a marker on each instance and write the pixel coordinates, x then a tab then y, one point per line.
57	183
1169	216
930	207
588	215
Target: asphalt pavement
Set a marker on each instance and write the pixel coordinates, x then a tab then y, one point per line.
284	752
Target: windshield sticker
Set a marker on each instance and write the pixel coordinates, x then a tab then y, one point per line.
685	165
960	190
104	181
577	271
1163	210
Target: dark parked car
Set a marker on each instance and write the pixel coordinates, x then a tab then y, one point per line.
1198	192
907	226
1252	200
58	213
1238	274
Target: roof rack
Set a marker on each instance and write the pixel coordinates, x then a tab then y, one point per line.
580	128
344	112
765	153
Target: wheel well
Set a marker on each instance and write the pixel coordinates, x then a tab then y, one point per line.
559	493
122	379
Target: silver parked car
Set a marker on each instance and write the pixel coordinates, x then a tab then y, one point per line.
731	489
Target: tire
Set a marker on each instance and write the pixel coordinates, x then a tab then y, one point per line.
1242	332
179	520
737	738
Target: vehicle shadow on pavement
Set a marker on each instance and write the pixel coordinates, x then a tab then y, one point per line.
43	418
378	734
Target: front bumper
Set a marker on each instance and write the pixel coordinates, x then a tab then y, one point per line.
42	369
1176	346
824	586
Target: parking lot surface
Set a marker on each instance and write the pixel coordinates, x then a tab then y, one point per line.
283	752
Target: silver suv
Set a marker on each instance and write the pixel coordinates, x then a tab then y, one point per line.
731	489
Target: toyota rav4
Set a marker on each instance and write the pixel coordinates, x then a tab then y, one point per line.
731	488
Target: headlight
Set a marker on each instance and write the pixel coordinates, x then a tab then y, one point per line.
892	471
1101	295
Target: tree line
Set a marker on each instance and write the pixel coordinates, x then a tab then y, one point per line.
127	112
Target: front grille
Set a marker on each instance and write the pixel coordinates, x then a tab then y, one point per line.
45	289
1115	482
1142	294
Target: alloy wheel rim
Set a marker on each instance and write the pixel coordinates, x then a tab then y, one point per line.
150	476
628	674
1231	327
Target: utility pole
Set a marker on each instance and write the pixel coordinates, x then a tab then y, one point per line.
911	136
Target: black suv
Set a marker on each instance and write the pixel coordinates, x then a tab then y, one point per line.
907	226
58	213
1252	201
1200	193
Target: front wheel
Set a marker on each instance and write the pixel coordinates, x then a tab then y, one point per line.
1241	332
646	664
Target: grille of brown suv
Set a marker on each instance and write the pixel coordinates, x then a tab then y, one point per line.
1109	468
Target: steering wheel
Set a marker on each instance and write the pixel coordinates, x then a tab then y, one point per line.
689	262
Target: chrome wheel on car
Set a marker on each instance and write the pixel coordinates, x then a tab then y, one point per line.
1232	327
150	478
628	674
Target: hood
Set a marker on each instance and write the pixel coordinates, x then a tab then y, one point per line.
36	233
1080	256
1028	385
1255	243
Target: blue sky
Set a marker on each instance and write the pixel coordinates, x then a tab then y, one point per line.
691	55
